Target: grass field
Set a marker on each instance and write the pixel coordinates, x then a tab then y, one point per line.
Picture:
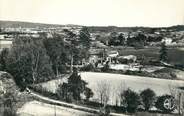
176	56
119	82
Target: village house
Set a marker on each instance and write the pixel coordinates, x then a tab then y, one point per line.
168	41
127	59
111	56
95	55
5	43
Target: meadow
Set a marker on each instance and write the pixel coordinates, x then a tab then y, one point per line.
175	55
118	82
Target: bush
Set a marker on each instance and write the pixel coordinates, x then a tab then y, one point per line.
105	111
166	103
106	67
131	100
88	93
63	93
148	98
89	67
9	112
43	91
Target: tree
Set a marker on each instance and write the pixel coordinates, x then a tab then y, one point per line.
113	39
84	37
106	67
121	39
57	52
78	46
28	62
9	96
148	98
63	92
9	102
103	92
138	41
116	39
74	88
163	53
88	93
3	58
166	103
130	100
84	43
77	85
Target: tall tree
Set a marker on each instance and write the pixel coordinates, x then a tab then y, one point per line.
79	46
103	92
74	88
3	58
57	52
163	53
77	85
121	39
84	37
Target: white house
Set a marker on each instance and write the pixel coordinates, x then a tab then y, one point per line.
129	57
112	54
168	41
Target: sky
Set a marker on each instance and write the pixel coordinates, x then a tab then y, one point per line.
152	13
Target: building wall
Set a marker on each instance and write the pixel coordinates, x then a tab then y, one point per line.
5	44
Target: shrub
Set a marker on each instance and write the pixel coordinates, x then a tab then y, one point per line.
88	93
106	67
131	100
63	92
89	67
166	103
105	111
148	98
9	112
43	91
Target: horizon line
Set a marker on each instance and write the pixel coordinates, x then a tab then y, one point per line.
21	21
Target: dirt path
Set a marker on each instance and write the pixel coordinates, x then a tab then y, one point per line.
61	105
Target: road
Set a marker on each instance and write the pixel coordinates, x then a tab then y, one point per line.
45	108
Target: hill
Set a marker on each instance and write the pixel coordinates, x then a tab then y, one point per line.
16	24
132	29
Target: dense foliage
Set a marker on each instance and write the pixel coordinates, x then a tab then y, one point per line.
29	62
163	53
166	103
74	88
131	100
58	53
148	98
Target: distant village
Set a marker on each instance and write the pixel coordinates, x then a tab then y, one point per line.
103	43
